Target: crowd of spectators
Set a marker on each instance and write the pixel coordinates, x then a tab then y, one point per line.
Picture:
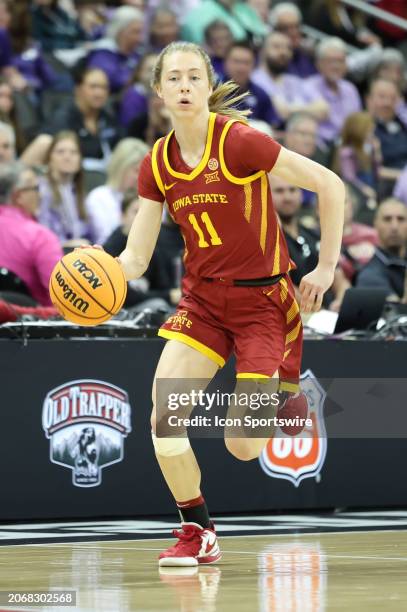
77	116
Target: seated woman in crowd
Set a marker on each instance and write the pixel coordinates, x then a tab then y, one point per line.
119	53
8	113
62	207
134	101
97	129
103	204
152	124
359	157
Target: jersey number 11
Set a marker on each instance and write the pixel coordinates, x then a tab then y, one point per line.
213	235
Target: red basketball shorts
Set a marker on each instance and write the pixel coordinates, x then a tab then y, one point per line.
262	325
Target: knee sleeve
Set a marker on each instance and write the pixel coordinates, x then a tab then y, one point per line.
170	447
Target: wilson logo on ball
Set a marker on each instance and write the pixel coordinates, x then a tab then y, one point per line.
88	274
69	294
296	458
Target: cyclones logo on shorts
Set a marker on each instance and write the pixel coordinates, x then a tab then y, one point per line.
296	458
86	422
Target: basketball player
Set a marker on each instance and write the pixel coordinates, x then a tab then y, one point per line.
211	170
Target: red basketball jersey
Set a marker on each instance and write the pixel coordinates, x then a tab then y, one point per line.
228	222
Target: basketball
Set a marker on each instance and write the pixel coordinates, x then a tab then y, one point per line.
88	286
294	407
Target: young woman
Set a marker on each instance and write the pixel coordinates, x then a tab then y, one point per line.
61	191
212	172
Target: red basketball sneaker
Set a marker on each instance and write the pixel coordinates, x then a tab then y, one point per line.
195	546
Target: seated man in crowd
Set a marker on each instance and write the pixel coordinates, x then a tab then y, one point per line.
239	64
286	17
27	249
341	95
388	267
382	103
303	244
287	91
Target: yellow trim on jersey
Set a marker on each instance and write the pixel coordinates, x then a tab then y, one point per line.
292	312
195	344
276	263
248	201
283	290
204	160
293	334
251	375
234	179
290	387
286	354
263	223
154	166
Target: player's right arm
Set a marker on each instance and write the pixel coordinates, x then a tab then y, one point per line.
142	239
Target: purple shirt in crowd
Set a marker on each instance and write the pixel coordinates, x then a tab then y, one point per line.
62	219
343	102
34	68
301	65
29	250
134	102
118	67
5	49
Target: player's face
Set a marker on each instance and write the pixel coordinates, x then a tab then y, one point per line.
286	198
391	225
184	86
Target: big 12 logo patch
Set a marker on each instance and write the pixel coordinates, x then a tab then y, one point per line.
302	456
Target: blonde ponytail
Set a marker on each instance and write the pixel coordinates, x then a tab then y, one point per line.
222	100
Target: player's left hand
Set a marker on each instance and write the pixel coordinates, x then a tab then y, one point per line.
313	287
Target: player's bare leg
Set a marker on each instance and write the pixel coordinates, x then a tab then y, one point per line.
197	540
237	439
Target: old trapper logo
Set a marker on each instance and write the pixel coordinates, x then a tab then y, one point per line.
86	422
302	456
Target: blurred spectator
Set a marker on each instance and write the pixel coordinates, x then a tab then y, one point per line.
27	249
7	143
35	74
239	64
103	203
341	95
152	125
286	17
119	53
382	102
303	243
153	290
218	39
53	28
164	29
359	240
8	113
5	14
359	156
286	91
400	189
62	207
97	129
262	8
243	21
301	137
336	19
134	101
392	67
388	267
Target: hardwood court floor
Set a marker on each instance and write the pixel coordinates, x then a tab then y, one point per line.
354	571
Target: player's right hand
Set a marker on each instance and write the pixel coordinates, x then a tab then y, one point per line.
313	287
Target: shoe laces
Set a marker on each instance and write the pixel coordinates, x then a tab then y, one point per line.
185	536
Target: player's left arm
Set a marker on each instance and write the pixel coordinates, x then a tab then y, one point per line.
307	174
